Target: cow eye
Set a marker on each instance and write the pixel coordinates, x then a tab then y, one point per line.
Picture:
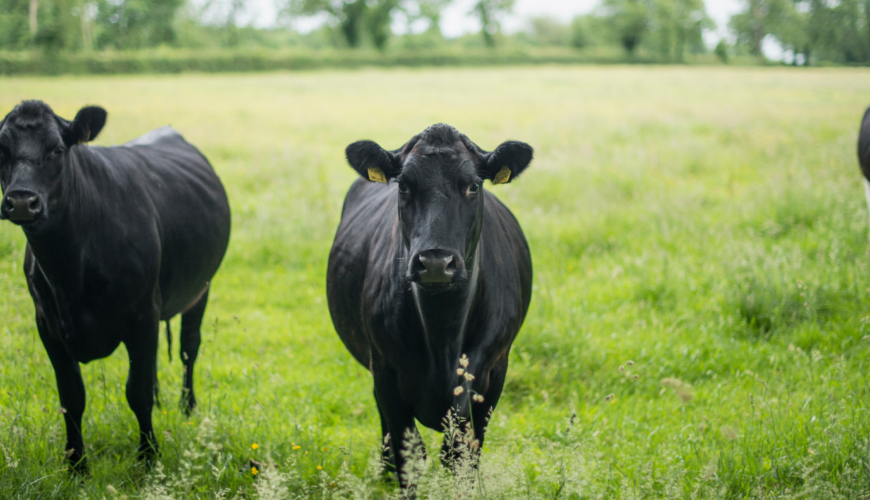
474	187
403	189
57	151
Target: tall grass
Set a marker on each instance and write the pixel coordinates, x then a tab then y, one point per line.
706	224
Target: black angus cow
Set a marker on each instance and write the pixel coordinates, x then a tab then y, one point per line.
118	239
864	153
427	267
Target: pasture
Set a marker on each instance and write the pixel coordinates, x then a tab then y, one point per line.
707	224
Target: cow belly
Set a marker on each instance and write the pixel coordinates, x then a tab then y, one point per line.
187	267
431	397
90	335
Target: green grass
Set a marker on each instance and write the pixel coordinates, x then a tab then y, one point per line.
706	223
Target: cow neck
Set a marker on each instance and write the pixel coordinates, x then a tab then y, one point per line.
444	317
57	246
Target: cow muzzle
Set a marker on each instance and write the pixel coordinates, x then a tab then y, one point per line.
437	268
21	206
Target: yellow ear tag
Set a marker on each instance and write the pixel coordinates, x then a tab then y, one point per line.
377	175
502	176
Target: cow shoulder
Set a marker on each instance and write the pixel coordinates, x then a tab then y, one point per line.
507	262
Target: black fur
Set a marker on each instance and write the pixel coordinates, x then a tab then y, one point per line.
864	145
123	237
411	334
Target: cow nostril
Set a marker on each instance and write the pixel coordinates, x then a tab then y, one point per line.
452	264
34	204
418	266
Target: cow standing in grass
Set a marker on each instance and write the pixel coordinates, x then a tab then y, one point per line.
864	153
427	267
118	239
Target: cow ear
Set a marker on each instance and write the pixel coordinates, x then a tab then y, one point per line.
87	124
507	162
373	162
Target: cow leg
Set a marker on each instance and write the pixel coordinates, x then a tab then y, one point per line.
481	412
399	419
866	194
156	386
71	389
451	448
142	351
389	463
191	321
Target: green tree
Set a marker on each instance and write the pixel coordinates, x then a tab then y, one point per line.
630	20
827	30
490	13
131	24
58	29
431	11
550	32
721	51
15	32
354	17
678	26
377	21
759	19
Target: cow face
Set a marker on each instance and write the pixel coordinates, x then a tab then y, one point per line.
439	178
34	143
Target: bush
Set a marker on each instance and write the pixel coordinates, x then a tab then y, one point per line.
721	51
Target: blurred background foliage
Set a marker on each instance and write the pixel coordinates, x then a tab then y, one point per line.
812	32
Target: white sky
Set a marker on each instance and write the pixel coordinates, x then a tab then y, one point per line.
456	19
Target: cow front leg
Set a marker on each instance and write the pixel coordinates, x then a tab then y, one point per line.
399	419
191	322
456	445
142	352
386	456
481	412
71	390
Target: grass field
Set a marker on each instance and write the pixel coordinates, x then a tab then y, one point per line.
707	224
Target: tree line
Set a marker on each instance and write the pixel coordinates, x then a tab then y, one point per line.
813	30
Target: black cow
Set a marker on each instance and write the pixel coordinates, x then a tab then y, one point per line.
118	239
447	274
864	153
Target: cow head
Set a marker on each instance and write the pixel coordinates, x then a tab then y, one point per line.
34	143
439	178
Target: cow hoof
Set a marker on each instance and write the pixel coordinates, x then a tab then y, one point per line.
78	465
187	403
388	473
147	453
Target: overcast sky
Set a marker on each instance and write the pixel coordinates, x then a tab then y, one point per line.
457	20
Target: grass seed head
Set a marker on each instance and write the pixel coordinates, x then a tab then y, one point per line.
463	361
459	390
